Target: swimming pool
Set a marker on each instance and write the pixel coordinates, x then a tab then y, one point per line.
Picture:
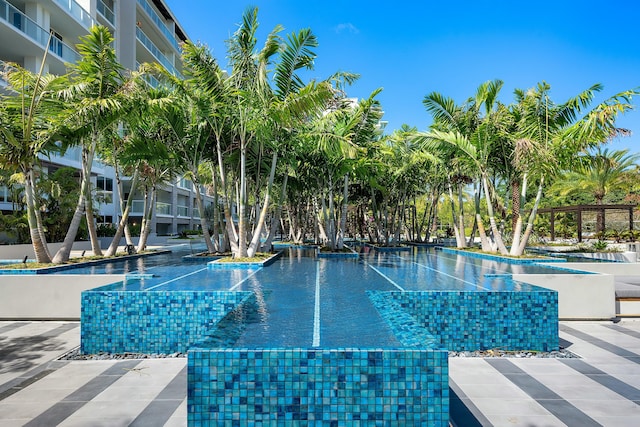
302	300
319	339
420	269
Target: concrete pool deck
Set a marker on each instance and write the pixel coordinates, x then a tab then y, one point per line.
602	387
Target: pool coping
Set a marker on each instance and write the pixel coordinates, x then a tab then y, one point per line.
64	267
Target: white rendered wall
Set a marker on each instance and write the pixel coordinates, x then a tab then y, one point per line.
47	296
580	296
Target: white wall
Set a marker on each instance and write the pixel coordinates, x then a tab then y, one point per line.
47	296
20	251
580	296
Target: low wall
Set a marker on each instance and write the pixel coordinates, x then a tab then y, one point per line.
296	386
580	296
20	251
613	268
151	321
468	321
51	297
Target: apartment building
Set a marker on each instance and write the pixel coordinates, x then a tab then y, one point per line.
144	31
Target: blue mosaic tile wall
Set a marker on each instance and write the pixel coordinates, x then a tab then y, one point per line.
318	387
498	257
468	321
151	322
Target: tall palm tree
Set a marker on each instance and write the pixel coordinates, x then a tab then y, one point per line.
551	135
471	130
27	117
96	101
253	114
598	173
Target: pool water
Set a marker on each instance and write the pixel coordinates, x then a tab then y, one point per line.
421	269
302	300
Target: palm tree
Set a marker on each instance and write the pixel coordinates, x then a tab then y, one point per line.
598	173
27	130
96	101
471	130
550	136
251	116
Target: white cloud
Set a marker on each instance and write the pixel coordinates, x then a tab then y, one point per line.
348	27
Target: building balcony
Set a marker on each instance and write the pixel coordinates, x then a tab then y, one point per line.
155	52
106	12
183	211
77	11
160	23
35	41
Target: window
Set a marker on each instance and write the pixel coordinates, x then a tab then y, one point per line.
104	189
104	183
56	43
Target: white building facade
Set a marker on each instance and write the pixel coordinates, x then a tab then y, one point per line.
144	31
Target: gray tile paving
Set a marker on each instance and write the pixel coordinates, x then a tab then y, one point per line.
600	388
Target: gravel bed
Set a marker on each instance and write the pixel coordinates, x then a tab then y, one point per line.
75	355
559	354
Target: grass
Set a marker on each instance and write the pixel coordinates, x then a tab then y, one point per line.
71	261
258	257
497	253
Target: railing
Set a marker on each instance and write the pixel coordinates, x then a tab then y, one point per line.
196	213
4	67
163	208
185	183
77	12
156	52
137	207
183	211
27	26
105	11
151	80
159	23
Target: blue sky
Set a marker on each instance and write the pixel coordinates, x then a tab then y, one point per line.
412	48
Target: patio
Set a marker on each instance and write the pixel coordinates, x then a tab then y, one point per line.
602	387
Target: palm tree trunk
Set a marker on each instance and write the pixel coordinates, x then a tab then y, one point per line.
255	241
454	218
532	217
65	250
242	213
517	229
39	244
148	215
461	216
515	202
343	216
232	235
203	220
497	236
275	220
126	210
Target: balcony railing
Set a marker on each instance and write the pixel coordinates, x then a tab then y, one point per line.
77	12
105	11
27	26
159	23
183	211
163	208
156	52
151	80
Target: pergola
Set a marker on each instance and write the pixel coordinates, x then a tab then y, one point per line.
578	209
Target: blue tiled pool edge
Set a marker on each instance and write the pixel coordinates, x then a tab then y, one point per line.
468	321
498	257
315	386
156	322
